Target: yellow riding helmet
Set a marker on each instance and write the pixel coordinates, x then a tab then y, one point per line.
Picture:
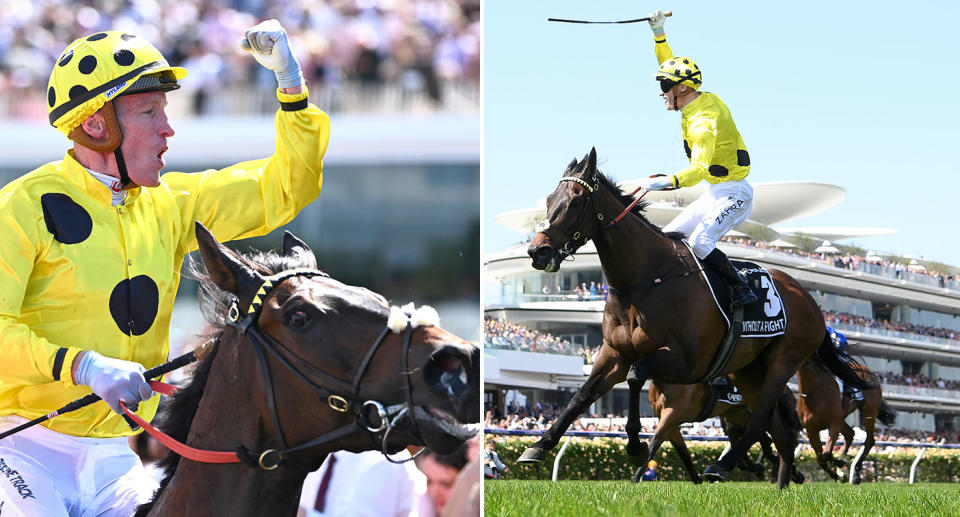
94	69
681	70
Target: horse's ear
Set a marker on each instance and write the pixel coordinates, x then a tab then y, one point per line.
592	159
225	268
572	165
293	246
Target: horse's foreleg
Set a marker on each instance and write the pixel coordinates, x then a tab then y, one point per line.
606	373
847	433
637	449
814	436
868	424
768	395
676	438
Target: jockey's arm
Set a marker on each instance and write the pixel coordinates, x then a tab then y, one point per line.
28	359
661	48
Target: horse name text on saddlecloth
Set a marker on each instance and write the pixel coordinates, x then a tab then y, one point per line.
660	321
305	365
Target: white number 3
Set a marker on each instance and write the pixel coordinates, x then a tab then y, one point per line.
772	306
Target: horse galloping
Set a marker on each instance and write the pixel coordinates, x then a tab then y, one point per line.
660	320
306	365
872	409
675	404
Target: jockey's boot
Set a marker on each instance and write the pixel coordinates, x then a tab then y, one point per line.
740	292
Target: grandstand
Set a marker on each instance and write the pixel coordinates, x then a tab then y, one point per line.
901	315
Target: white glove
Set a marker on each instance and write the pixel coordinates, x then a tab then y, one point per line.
657	183
656	21
113	380
267	42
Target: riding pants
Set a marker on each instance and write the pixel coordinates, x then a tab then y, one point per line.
716	212
49	474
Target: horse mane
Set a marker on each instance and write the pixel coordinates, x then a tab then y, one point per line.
638	210
178	413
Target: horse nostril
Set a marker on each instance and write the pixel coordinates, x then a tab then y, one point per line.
542	252
448	363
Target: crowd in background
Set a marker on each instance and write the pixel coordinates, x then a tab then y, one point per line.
540	416
416	43
506	335
868	262
919	380
842	318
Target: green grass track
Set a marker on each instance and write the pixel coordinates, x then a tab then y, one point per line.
669	498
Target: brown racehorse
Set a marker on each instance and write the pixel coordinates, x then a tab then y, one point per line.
872	408
820	407
675	404
318	366
660	320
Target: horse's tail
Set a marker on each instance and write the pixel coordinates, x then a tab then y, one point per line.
839	364
787	407
887	415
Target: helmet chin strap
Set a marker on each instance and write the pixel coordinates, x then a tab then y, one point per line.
112	143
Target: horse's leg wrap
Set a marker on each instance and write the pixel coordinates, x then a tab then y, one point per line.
637	449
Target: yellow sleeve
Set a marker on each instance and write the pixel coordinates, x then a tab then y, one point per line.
702	138
252	198
28	359
662	49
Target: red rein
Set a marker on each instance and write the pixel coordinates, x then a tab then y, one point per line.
630	206
175	446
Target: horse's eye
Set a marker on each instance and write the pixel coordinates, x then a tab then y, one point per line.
297	319
576	201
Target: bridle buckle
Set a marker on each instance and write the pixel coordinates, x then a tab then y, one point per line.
338	403
264	455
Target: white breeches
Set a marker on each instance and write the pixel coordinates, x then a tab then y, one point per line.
43	472
704	221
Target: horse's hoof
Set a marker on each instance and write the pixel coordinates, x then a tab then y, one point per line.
532	455
638	453
798	477
714	473
855	481
697	480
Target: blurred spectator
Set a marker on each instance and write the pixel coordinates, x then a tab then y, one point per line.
365	484
492	466
649	473
417	45
441	472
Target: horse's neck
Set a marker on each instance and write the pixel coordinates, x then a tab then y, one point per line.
225	419
633	252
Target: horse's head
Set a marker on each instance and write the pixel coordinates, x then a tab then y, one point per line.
572	215
335	365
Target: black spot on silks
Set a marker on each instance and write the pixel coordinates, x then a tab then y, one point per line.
134	304
77	91
127	37
743	158
686	148
123	57
718	171
97	36
87	65
51	96
66	58
65	219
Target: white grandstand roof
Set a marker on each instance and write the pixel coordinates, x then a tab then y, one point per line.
773	203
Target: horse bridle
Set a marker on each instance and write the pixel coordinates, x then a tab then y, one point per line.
388	416
572	242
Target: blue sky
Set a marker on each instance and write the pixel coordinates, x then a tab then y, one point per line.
860	95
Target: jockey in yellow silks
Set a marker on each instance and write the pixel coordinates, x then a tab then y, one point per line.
717	155
91	254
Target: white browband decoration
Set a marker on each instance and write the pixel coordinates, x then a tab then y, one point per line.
580	181
425	316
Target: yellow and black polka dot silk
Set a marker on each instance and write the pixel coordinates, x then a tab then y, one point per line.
81	274
95	69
